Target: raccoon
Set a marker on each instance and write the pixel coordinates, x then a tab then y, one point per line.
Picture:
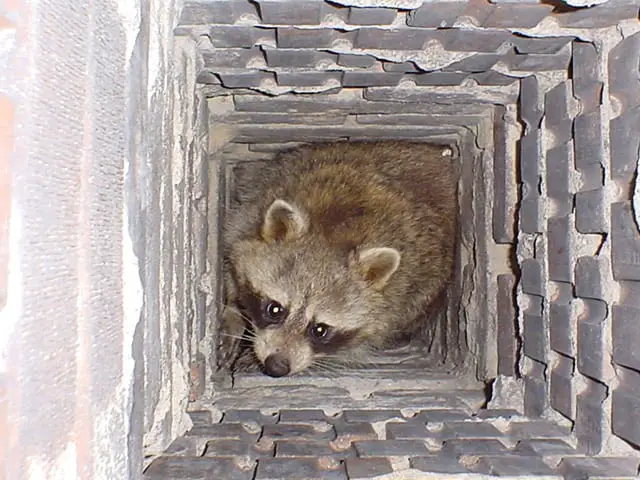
338	250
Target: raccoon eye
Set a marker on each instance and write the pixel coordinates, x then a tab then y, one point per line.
275	311
319	330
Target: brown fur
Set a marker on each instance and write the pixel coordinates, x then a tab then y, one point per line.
314	259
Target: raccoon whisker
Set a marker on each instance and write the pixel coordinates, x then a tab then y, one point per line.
238	337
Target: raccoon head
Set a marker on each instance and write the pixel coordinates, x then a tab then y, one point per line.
305	300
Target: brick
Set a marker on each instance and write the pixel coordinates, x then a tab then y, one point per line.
560	249
356	61
531	276
626	399
306	79
477	41
473	447
307	12
507	338
293	38
208	12
535	394
626	336
406	67
530	214
544	45
625	243
516	15
438	464
365	468
436	14
371	16
543	447
529	102
225	448
589	275
623	72
300	58
196	468
590	212
438	78
534	337
493	78
556	112
305	448
512	465
283	431
244	78
480	62
589	412
587	86
239	36
370	416
598	16
296	468
384	448
240	416
532	62
561	392
229	57
624	145
601	467
361	78
559	165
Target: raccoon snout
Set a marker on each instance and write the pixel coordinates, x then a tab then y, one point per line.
276	365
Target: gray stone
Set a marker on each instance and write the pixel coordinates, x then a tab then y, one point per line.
587	86
556	112
530	214
371	16
206	13
559	165
491	77
228	448
221	58
306	78
576	468
395	39
624	144
512	465
532	62
254	416
362	78
200	418
479	41
589	275
439	415
529	97
502	221
365	468
623	71
383	448
356	61
507	338
438	78
516	15
310	449
540	45
223	430
534	337
480	62
543	447
436	14
196	468
470	430
561	392
307	12
592	351
402	431
244	78
531	276
307	37
590	212
476	446
625	243
625	400
239	36
626	336
496	413
588	141
348	432
300	58
406	67
560	249
438	464
588	425
283	431
598	16
297	468
370	416
302	416
535	390
561	330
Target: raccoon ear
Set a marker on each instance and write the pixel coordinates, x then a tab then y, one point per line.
283	221
377	265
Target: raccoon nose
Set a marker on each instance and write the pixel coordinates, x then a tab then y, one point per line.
276	365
